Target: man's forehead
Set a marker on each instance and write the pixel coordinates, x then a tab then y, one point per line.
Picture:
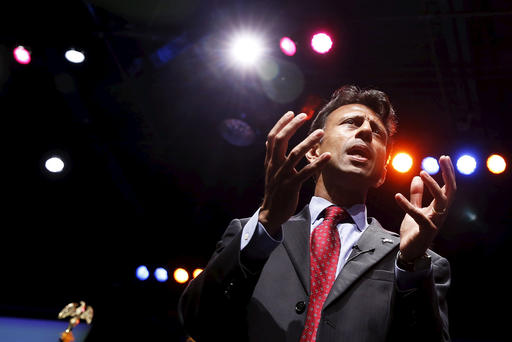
354	109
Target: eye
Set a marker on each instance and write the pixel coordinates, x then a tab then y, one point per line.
379	132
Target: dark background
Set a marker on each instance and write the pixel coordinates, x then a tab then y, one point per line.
154	173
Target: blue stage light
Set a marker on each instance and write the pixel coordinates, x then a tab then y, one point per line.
142	273
161	274
430	165
466	164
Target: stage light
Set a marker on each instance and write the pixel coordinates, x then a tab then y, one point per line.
161	274
402	162
470	215
197	272
74	56
54	165
288	46
466	164
142	273
496	164
430	165
22	55
181	275
246	49
321	43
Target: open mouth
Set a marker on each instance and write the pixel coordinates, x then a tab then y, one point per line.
359	152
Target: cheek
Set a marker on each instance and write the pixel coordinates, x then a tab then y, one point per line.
333	142
381	158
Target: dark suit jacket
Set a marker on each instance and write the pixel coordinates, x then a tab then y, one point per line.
235	299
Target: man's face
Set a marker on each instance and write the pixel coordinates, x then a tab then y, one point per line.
357	140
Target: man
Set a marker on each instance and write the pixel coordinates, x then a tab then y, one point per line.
313	277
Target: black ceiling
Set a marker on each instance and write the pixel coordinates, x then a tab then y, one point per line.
152	177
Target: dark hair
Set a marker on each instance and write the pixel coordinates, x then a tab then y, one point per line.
374	99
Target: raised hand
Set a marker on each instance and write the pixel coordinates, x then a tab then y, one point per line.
282	180
421	224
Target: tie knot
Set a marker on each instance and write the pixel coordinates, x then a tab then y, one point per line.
335	214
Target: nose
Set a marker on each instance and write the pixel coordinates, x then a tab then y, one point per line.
365	131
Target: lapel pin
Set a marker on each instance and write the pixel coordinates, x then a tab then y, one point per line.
384	240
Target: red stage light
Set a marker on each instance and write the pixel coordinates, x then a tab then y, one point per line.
321	43
288	46
21	55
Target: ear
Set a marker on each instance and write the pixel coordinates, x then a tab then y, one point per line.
313	153
382	178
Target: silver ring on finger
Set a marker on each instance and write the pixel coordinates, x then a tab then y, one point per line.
439	212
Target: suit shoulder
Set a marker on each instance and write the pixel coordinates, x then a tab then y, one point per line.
373	222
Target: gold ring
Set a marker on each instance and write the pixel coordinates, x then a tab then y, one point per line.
440	212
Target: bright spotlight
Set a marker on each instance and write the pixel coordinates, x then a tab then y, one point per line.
54	164
246	49
181	275
22	55
402	162
287	46
142	273
496	164
430	165
321	43
161	274
74	56
466	164
197	272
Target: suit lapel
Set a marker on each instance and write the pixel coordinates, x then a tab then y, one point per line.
374	244
296	233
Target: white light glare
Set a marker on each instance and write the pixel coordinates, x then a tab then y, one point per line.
161	274
142	272
430	165
74	56
466	164
246	49
54	164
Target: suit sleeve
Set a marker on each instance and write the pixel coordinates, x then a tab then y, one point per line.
213	306
422	314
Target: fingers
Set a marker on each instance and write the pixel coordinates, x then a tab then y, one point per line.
440	199
283	136
442	196
414	212
416	192
285	119
448	173
301	149
312	168
280	134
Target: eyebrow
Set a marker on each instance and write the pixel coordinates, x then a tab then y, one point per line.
374	120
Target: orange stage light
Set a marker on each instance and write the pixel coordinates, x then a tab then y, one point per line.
181	275
402	162
496	164
196	272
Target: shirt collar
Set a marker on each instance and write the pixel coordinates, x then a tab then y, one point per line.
357	211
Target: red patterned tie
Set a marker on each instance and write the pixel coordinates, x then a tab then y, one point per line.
324	254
